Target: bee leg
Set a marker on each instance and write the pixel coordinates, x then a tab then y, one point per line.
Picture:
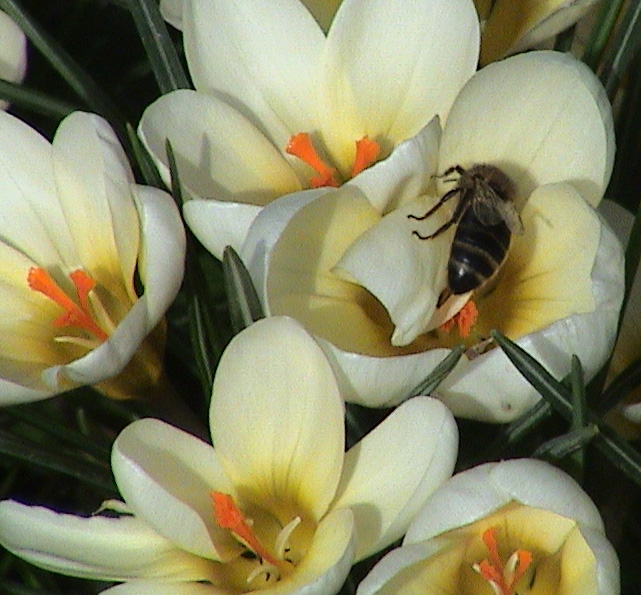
438	232
445	295
450	170
437	206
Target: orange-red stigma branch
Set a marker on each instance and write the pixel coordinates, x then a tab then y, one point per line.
503	579
464	319
74	315
228	516
300	145
366	153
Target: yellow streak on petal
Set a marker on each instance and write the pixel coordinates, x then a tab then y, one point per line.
547	275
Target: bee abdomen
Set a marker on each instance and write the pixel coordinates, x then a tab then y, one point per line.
477	253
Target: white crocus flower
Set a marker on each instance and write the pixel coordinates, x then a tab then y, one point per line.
281	106
275	506
519	526
13	52
347	264
75	231
512	26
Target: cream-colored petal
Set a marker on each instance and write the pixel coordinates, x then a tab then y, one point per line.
489	387
95	547
405	174
405	273
94	180
220	154
390	473
607	562
13	50
32	220
542	117
325	567
514	26
12	393
166	476
541	485
165	588
172	12
277	418
465	498
262	61
378	381
390	66
161	270
218	224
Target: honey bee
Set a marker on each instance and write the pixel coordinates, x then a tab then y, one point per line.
486	218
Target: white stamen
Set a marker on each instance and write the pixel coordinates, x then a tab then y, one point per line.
283	536
263	568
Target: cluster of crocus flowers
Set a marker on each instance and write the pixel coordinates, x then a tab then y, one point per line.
13	51
90	263
275	506
281	106
348	264
519	526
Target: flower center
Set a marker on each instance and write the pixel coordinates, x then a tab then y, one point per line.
300	145
502	578
78	315
270	563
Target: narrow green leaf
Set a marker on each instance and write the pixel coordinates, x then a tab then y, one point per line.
613	446
84	86
202	329
601	32
439	373
158	45
244	304
567	444
576	456
621	47
35	101
23	450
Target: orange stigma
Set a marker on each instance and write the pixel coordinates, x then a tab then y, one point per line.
300	145
502	578
366	153
464	319
228	516
74	315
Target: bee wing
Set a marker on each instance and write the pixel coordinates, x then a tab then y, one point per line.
496	210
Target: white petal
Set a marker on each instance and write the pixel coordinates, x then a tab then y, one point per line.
543	117
540	485
13	50
219	153
94	185
262	61
405	274
12	393
156	588
374	381
405	174
390	66
390	473
166	476
607	562
465	498
32	219
277	417
218	224
95	547
513	27
172	12
161	270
